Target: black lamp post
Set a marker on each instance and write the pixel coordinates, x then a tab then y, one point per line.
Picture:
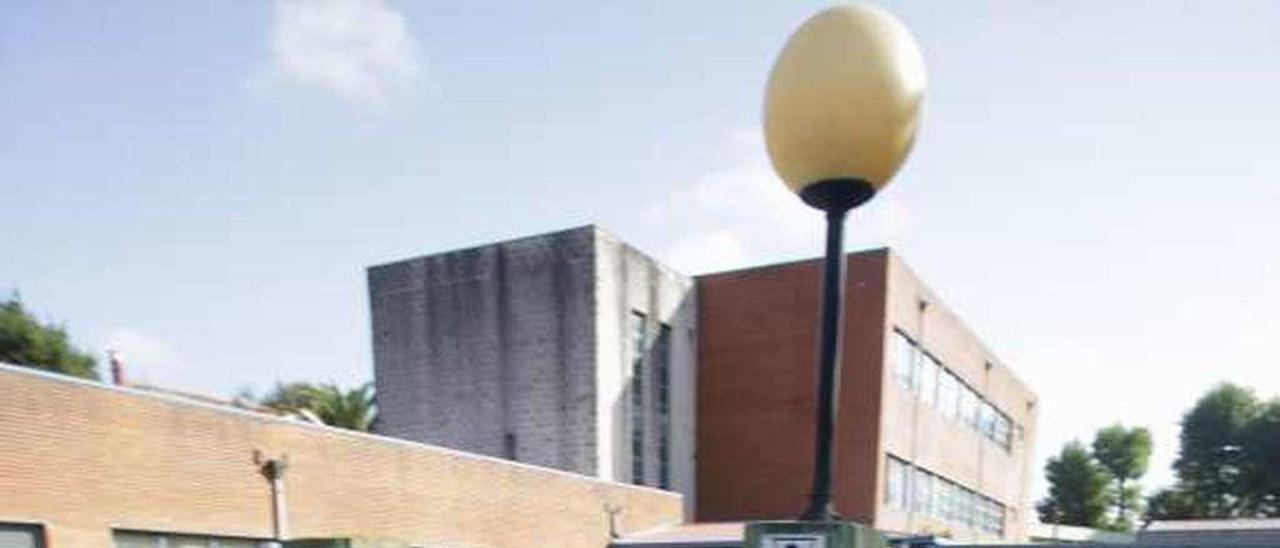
841	113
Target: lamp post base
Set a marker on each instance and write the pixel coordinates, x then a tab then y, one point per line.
811	534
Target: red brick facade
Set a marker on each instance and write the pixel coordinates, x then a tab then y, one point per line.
758	333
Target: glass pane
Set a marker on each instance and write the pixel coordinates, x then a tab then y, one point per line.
903	358
922	489
18	536
950	510
929	371
638	411
1002	431
662	386
135	540
893	482
189	542
968	407
987	420
941	490
238	543
948	394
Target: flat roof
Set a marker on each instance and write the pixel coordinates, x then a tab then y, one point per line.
692	535
1213	525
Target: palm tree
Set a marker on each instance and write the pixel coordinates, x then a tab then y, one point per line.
353	409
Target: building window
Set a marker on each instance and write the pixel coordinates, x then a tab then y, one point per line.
637	333
948	394
909	487
895	483
929	370
987	420
21	535
922	492
945	501
662	385
904	361
968	407
1004	431
915	370
141	539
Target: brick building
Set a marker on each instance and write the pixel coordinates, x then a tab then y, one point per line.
935	433
87	465
573	350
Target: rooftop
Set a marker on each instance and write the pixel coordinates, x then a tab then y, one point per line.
1213	525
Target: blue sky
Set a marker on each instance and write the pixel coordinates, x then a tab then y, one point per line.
202	184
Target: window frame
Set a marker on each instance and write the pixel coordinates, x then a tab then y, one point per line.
638	337
911	488
39	533
164	539
905	369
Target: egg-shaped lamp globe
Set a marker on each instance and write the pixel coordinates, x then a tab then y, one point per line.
843	104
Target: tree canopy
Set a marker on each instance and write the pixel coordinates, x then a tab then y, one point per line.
25	341
1079	492
1124	453
353	409
1226	465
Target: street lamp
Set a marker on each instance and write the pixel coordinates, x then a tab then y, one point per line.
841	112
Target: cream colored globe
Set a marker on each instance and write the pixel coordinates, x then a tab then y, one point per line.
844	98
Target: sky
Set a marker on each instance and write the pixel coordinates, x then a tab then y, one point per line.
200	185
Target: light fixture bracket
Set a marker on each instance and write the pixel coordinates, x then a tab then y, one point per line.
838	195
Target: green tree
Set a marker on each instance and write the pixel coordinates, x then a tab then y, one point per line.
1226	464
26	341
1173	503
1125	454
353	409
1261	447
1212	465
1079	491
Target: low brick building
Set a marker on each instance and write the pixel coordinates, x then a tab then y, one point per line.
87	465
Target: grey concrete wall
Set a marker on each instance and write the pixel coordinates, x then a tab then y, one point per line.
629	281
489	349
527	341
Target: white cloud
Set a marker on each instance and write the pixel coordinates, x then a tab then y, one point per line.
741	214
358	49
708	252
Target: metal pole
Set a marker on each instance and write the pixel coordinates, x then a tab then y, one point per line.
274	471
821	507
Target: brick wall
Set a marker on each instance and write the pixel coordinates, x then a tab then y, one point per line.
758	332
84	458
757	384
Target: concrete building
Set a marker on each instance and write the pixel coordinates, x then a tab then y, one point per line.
88	465
574	350
935	432
570	350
